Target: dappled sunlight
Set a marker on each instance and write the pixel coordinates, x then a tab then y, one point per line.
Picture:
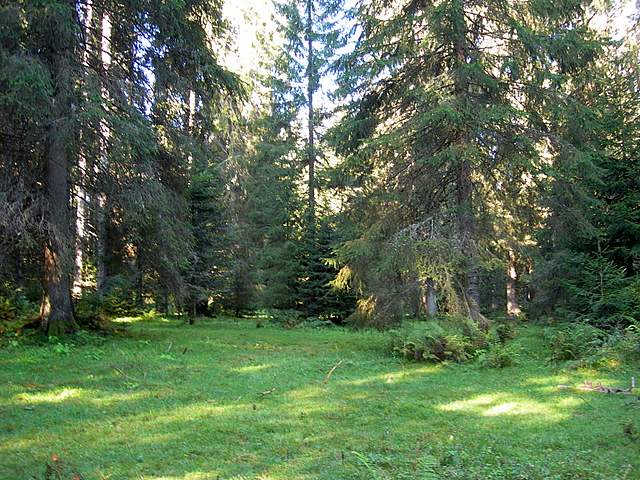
53	396
392	377
197	411
206	476
547	380
251	368
498	404
102	399
142	318
132	319
90	396
222	412
305	393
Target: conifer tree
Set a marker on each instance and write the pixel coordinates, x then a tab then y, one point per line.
445	107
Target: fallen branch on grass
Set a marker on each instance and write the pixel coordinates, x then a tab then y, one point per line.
135	379
328	375
590	387
267	392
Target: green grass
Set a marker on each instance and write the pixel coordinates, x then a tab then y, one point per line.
173	401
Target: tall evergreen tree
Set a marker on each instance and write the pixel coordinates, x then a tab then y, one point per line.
446	108
312	37
99	135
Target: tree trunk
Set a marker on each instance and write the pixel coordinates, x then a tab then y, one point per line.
57	310
17	262
513	307
311	154
430	299
102	209
191	112
81	194
466	230
464	185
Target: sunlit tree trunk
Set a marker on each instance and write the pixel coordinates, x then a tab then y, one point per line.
82	197
430	298
513	307
56	309
191	112
105	134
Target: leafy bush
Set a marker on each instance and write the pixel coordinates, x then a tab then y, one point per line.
505	330
619	346
627	343
88	307
119	298
149	315
7	310
16	309
589	288
287	318
316	322
574	341
498	355
587	346
436	341
457	339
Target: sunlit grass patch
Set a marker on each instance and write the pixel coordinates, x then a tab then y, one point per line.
497	404
52	396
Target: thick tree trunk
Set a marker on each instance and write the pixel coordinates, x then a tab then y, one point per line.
57	309
311	153
430	299
513	307
466	230
464	184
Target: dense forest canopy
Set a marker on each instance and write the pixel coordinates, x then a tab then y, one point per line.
361	162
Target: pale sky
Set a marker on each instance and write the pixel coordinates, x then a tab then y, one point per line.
248	18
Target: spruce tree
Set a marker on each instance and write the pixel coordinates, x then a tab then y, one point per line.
445	108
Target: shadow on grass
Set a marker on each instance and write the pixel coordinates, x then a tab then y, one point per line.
231	401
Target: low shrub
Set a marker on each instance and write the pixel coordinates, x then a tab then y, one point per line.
456	339
16	310
119	298
618	347
498	355
7	310
287	318
627	343
93	310
437	341
505	330
316	322
574	341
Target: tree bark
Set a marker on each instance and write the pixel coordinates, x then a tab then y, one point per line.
105	132
464	184
430	299
82	197
57	310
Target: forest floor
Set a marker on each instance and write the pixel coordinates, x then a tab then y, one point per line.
223	399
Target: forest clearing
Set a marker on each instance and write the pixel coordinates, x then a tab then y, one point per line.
319	239
223	399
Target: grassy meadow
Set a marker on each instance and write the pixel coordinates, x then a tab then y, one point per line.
223	399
